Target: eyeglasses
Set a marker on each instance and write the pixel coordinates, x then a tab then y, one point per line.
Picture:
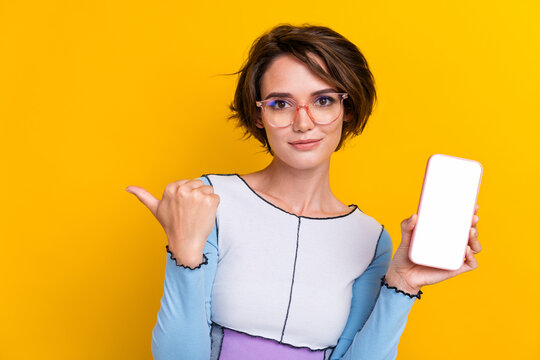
322	109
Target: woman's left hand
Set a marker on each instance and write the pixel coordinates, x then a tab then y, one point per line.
410	277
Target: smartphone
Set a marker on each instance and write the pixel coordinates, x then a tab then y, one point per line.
445	211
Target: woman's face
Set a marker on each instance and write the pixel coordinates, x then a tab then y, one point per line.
287	74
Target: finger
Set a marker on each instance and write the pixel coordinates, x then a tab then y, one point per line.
475	220
470	260
473	233
407	227
206	189
475	208
189	185
145	197
172	188
181	182
473	241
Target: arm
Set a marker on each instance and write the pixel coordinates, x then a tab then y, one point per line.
378	314
182	330
379	337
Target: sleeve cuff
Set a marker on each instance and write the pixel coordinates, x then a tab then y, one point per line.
383	283
204	262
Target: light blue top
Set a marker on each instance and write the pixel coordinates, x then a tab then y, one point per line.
373	329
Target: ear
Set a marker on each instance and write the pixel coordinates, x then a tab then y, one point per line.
258	123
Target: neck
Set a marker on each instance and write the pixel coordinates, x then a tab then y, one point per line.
303	190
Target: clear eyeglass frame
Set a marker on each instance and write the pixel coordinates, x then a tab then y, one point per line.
262	105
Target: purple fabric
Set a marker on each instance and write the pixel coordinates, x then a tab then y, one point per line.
239	346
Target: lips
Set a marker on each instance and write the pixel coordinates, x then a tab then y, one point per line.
307	141
306	144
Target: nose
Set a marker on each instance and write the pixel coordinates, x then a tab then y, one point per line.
302	121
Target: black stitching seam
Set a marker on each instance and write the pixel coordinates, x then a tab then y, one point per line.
204	262
285	211
217	227
377	246
371	262
383	282
292	282
301	216
282	343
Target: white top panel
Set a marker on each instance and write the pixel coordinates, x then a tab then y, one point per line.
273	264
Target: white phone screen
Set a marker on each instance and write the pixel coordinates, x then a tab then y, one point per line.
445	211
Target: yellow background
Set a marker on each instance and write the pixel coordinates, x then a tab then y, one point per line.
99	95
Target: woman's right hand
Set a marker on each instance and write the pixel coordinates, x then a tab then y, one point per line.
187	213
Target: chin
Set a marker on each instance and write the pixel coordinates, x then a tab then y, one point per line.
304	160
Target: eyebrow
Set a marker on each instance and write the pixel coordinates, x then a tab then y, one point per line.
284	94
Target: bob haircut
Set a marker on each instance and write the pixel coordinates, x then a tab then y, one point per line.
347	70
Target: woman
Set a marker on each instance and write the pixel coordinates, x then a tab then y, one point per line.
271	265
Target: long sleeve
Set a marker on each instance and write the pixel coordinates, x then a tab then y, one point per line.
378	314
182	330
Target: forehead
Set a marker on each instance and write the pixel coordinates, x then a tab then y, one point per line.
288	74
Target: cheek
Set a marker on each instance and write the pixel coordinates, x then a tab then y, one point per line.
335	135
275	138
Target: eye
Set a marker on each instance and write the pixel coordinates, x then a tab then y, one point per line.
324	101
279	104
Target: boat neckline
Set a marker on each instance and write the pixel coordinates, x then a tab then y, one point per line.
354	206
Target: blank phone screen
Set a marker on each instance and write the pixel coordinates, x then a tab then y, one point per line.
445	211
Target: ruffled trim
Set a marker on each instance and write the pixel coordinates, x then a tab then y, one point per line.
204	262
383	283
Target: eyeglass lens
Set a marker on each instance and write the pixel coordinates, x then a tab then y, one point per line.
323	109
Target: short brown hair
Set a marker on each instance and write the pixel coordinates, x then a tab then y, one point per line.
347	70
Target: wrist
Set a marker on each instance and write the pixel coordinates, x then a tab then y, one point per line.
185	250
393	279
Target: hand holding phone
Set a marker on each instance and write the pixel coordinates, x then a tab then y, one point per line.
445	212
430	266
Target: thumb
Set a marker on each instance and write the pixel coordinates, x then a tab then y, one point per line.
407	227
145	197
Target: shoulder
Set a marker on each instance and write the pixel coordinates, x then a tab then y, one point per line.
368	220
384	240
229	188
211	178
222	183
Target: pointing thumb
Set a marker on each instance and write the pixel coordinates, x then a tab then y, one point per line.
145	197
